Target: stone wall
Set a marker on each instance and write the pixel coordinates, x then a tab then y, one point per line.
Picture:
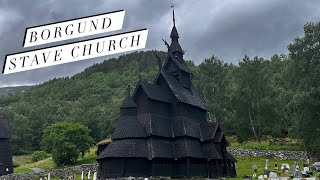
296	155
64	172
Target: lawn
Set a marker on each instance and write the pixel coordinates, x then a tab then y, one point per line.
48	164
244	164
268	143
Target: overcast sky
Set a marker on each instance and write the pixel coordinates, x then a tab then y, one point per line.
229	29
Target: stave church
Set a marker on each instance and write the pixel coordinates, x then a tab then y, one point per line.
163	129
6	164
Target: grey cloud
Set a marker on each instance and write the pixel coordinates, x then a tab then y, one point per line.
228	29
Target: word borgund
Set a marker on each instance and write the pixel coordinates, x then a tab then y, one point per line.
74	28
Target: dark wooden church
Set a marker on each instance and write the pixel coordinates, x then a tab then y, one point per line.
163	131
6	164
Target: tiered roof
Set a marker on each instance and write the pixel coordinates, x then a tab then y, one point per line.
152	135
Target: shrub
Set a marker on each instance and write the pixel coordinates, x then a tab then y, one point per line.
38	156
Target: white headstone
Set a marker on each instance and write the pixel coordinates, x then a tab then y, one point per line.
82	175
95	176
265	176
273	175
254	175
89	173
267	164
49	176
260	177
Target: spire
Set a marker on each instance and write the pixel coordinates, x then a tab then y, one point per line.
175	46
128	101
174	21
174	32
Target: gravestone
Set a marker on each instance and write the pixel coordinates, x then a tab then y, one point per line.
247	177
273	175
284	167
316	166
267	164
261	177
298	174
276	166
95	176
255	169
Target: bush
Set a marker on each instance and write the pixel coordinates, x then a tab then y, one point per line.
38	156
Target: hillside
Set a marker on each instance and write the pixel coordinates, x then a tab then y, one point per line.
254	100
13	89
91	97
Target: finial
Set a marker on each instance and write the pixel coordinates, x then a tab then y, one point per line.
158	60
166	43
174	21
129	88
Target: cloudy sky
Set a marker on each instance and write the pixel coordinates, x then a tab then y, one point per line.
229	29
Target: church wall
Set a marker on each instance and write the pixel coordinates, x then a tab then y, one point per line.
191	112
5	157
161	108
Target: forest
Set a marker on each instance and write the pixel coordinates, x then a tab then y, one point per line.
258	97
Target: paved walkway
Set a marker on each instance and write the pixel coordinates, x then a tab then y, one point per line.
37	170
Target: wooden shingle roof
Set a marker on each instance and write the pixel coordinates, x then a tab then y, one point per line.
188	96
128	127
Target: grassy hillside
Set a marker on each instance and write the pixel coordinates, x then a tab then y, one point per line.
256	87
13	89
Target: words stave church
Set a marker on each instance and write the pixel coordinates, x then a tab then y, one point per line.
163	130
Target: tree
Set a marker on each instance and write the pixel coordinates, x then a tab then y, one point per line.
305	77
66	142
253	99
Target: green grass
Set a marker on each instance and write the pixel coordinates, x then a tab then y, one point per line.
244	165
22	170
22	159
275	144
48	164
